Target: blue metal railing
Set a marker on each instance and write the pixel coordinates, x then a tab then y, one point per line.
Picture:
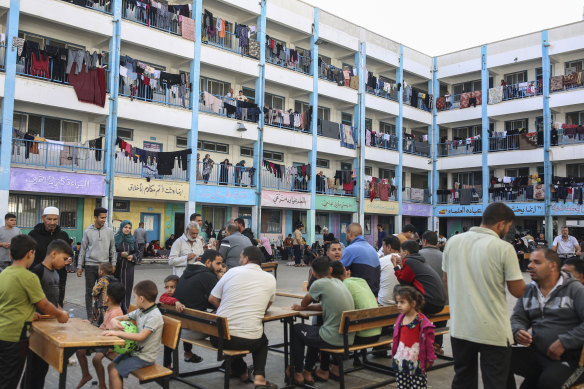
504	143
391	197
288	182
150	18
230	43
569	136
416	147
128	166
387	143
452	102
420	104
279	123
416	195
393	95
51	155
522	90
106	8
173	96
459	147
298	66
225	106
568	87
453	196
220	174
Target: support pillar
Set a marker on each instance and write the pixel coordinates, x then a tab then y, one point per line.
485	125
311	214
400	140
360	119
435	141
547	128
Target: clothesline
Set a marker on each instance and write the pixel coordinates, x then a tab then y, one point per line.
165	161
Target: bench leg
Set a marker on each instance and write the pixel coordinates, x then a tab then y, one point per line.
227	372
341	372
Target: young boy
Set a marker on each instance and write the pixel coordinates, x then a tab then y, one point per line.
115	294
99	293
149	322
20	294
167	298
58	256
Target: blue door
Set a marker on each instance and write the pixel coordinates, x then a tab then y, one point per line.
151	225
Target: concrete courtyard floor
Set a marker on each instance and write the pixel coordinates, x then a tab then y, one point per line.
290	279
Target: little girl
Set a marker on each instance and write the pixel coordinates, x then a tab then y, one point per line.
413	339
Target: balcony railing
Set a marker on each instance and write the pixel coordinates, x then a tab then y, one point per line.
393	95
152	17
288	182
522	90
228	107
418	103
459	147
220	174
385	141
278	121
504	143
173	96
230	43
129	167
452	196
56	156
569	136
416	147
332	74
416	195
450	102
301	65
391	197
90	4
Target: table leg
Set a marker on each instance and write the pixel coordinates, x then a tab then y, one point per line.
286	343
63	376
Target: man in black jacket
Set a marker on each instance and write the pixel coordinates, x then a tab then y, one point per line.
245	231
195	286
44	233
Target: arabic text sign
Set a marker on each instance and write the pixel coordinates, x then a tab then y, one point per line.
285	199
153	190
520	209
47	181
416	209
559	209
383	207
336	203
225	195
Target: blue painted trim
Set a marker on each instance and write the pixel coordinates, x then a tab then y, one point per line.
193	138
485	124
260	98
547	165
111	128
311	215
12	21
361	106
435	138
400	134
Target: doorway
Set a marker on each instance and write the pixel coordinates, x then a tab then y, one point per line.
151	225
179	224
346	219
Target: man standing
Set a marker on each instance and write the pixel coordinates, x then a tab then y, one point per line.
380	235
197	218
141	237
388	281
44	233
553	307
97	246
297	245
247	232
566	246
232	245
186	249
477	265
7	232
288	244
243	295
361	258
408	233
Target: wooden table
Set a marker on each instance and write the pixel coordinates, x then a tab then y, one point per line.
285	293
56	342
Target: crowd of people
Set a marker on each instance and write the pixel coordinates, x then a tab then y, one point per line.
419	274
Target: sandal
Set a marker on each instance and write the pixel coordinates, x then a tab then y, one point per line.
267	385
194	359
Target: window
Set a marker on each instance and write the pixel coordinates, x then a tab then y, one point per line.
539	122
42	41
466	132
463	87
387	128
215	87
274	101
346	166
347	119
212	146
182	142
321	220
515	124
121	205
517	172
325	59
274	156
348	66
367	229
124	133
469	178
368	171
573	66
48	127
368	124
575	118
574	170
246	151
27	209
299	216
323	113
271	221
323	163
516	78
247	92
386	79
214	215
385	174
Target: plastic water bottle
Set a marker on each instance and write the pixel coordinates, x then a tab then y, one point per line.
71	314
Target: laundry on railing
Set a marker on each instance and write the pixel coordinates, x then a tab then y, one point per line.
347	136
164	160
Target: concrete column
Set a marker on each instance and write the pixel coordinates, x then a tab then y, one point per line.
435	140
311	214
400	139
485	124
547	127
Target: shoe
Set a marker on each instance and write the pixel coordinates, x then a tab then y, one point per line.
194	359
438	349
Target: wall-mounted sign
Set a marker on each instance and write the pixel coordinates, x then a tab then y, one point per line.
520	209
285	199
336	203
225	195
409	209
48	181
382	207
153	190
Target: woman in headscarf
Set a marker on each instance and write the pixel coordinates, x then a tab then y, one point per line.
266	249
125	247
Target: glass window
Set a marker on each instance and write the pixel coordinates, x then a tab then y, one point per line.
299	216
368	124
181	142
71	131
324	163
25	208
573	66
246	151
68	210
466	132
387	128
516	78
19	121
385	174
469	86
346	166
574	170
517	172
273	155
215	215
367	229
515	124
274	101
322	220
124	133
467	178
368	171
247	92
575	118
35	125
271	221
222	148
323	113
347	119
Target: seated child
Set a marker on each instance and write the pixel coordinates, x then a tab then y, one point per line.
150	324
99	293
114	296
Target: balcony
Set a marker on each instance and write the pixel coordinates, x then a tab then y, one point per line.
106	8
174	96
418	102
228	107
383	141
452	196
286	120
337	75
521	90
58	156
392	195
153	17
221	174
568	136
504	142
2	56
460	147
299	63
390	95
230	43
566	82
460	101
285	181
416	147
416	195
128	167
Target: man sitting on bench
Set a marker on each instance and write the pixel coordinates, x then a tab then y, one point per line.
334	298
243	295
553	307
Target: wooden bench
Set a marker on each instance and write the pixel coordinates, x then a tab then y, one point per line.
579	370
443	315
210	325
157	373
271	267
359	320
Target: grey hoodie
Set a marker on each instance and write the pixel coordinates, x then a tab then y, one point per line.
97	246
562	316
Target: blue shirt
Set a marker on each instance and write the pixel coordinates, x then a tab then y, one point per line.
362	260
380	235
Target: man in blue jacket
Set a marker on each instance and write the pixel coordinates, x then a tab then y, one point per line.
361	258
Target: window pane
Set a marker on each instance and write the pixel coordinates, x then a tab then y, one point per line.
35	124
52	129
25	208
68	210
19	122
271	221
218	218
71	131
220	148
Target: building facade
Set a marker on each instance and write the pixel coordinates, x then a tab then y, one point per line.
305	116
